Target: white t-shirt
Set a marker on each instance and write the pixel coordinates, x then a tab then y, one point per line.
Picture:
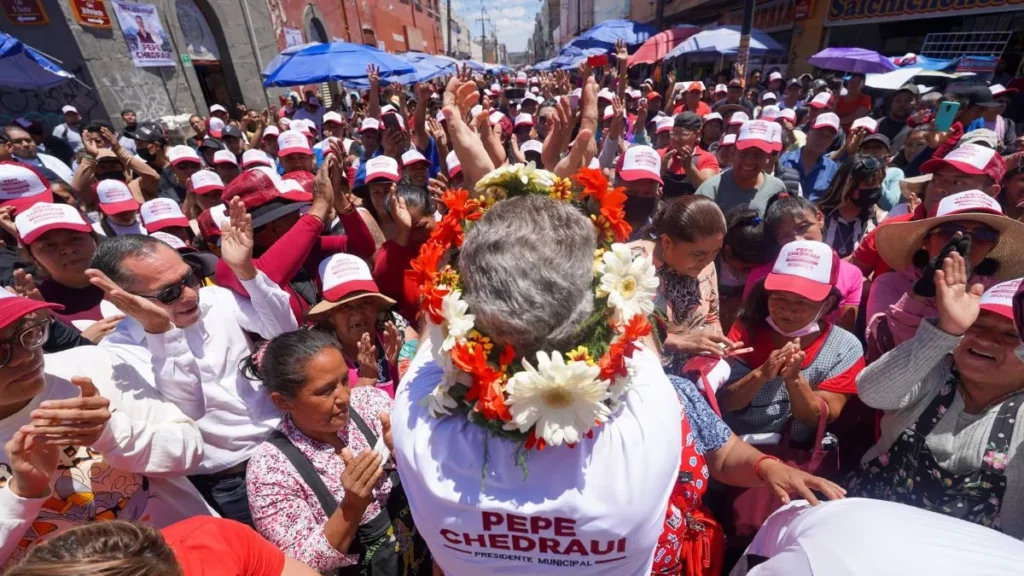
135	228
135	471
597	508
857	536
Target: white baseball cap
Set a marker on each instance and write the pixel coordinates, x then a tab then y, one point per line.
42	217
69	109
999	298
369	124
495	118
805	267
160	213
521	78
218	108
181	153
787	114
826	120
640	163
769	113
609	111
382	168
332	116
169	239
756	134
868	124
721	89
774	76
972	159
345	278
605	94
738	118
524	119
413	157
293	142
205	182
271	131
769	96
969	201
22	186
252	158
531	146
663	124
712	116
534	90
454	166
303	126
215	126
727	141
821	100
225	157
115	197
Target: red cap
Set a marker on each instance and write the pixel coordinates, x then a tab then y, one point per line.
160	213
209	221
22	186
971	159
115	197
805	267
640	163
14	308
652	95
305	181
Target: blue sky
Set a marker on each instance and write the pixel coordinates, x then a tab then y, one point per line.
512	19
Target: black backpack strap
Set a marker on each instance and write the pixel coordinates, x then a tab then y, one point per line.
371	438
306	471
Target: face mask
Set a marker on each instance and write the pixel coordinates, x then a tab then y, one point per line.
1019	352
868	197
145	155
639	208
810	328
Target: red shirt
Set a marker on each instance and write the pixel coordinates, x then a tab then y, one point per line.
761	342
205	545
303	247
705	160
702	109
867	251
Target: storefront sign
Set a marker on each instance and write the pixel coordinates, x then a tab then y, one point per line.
147	42
841	12
91	13
773	16
977	64
25	12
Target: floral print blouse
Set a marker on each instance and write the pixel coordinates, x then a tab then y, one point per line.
284	508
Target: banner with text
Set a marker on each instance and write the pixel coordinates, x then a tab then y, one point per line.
842	12
145	36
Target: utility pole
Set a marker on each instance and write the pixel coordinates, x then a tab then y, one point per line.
579	17
659	13
743	54
449	17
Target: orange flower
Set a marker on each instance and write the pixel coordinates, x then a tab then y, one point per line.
461	206
613	363
611	217
425	265
447	232
488	389
636	328
433	299
593	181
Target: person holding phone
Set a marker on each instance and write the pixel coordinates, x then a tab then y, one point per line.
971	223
685	164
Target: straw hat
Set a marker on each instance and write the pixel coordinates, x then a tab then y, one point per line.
898	241
346	278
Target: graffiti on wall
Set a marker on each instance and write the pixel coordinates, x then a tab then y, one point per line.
44	105
136	89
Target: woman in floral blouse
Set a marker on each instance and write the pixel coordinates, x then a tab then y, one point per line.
334	428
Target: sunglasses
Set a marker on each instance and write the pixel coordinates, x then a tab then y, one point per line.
31	337
981	234
172	293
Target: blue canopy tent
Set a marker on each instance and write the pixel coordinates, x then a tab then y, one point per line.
323	62
725	41
24	68
427	67
605	34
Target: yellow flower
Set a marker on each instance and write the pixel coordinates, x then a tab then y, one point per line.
561	189
476	337
448	277
580	354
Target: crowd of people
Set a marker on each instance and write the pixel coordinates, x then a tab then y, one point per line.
523	324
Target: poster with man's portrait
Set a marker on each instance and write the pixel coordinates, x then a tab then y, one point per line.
145	36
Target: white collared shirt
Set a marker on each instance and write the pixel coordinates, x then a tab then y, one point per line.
197	368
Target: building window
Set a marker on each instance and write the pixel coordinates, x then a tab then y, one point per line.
419	7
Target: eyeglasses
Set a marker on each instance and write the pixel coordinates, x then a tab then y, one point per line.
31	337
173	293
980	234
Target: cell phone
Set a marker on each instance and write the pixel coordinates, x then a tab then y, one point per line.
390	120
945	116
596	61
515	93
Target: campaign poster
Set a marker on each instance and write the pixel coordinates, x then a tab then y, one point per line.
145	36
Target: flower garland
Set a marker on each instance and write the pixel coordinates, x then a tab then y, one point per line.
560	399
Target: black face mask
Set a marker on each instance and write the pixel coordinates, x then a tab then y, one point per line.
145	154
639	208
868	197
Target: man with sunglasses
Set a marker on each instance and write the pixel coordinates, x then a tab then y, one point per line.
190	341
968	167
84	438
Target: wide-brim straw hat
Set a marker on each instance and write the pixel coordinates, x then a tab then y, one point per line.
346	278
897	242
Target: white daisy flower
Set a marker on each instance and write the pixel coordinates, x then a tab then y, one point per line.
562	400
439	402
630	283
457	324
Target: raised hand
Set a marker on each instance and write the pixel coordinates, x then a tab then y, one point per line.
360	476
958	303
618	126
112	142
237	241
437	187
392	343
621	52
323	188
101	328
396	88
7	220
146	312
373	76
73	421
25	285
367	358
32	462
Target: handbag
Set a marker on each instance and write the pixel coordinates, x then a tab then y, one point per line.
388	544
752	506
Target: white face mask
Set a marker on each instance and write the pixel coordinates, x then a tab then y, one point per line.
811	327
1019	351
